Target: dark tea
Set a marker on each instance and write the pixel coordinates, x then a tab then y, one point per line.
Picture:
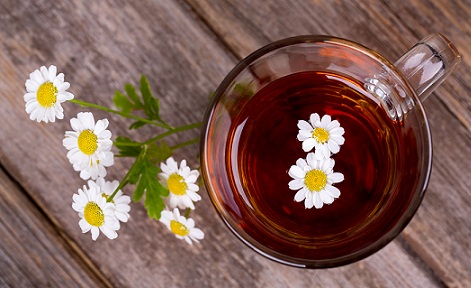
378	159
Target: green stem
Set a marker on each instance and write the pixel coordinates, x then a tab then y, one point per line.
163	135
187	143
187	213
124	182
126	115
172	131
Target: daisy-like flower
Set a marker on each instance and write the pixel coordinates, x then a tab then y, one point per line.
96	214
314	181
89	146
182	227
120	201
324	135
181	184
45	92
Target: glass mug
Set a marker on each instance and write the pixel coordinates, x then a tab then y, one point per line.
251	142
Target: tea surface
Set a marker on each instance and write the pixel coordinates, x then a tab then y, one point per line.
264	146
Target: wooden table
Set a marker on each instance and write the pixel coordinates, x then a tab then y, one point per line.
186	47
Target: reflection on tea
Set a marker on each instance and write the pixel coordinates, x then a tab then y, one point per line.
378	160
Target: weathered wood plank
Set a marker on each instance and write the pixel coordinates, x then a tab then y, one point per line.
100	46
32	252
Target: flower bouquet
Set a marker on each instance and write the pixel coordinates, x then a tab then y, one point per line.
169	188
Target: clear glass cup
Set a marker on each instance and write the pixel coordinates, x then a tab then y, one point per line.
359	222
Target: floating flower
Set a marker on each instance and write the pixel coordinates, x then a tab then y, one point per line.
181	184
182	227
89	146
314	181
323	134
120	201
96	214
45	93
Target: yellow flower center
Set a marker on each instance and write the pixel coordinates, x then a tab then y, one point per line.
321	135
178	228
47	95
315	180
176	184
87	142
93	214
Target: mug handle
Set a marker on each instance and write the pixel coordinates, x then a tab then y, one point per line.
428	63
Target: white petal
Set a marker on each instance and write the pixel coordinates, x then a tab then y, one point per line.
300	195
335	177
184	171
327	164
37	76
301	163
320	153
193	196
65	95
84	226
296	184
308	144
32	86
44	73
333	147
325	197
172	164
309	202
332	125
33	105
99	127
314	118
296	172
95	233
110	233
52	72
196	233
304	125
191	178
303	135
317	200
338	139
325	120
333	191
166	170
311	161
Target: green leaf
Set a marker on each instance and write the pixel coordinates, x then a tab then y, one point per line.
135	175
158	153
147	97
127	147
154	202
122	102
144	176
132	94
137	125
151	103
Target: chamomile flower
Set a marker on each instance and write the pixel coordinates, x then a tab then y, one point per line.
45	92
89	146
324	135
314	181
183	228
120	201
96	214
181	184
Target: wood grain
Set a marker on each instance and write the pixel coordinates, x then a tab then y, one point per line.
33	252
185	48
